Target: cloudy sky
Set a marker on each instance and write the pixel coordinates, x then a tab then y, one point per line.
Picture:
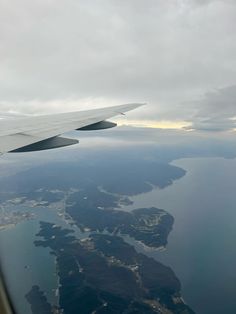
176	55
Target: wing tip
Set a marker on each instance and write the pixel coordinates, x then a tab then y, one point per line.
128	107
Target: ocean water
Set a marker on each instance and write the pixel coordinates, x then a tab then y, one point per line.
25	265
202	244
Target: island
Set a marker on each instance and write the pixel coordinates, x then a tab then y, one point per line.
104	274
38	301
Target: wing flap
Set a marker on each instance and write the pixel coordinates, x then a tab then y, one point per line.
98	126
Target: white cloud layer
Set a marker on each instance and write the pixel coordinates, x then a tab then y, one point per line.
64	55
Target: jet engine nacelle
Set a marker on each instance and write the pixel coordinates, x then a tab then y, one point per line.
98	126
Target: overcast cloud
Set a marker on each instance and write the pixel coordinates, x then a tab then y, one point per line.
177	55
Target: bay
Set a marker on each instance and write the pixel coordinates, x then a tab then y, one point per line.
24	264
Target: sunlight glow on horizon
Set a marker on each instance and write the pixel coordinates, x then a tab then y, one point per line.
162	124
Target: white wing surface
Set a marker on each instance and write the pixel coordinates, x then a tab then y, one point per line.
16	134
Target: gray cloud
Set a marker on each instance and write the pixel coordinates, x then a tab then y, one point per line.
216	110
58	56
213	125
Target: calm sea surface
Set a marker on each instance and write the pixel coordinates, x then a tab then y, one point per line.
202	244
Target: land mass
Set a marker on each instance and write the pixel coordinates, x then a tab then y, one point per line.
126	176
93	210
104	274
10	218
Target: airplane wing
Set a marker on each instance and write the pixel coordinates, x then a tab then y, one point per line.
30	133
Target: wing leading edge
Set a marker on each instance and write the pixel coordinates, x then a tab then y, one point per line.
42	132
